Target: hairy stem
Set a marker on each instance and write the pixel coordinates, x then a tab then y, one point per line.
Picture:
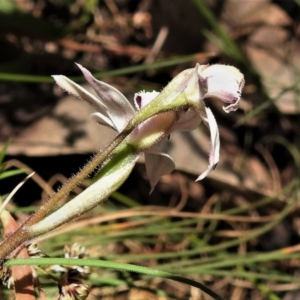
21	235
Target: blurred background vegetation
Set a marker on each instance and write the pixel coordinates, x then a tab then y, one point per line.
236	231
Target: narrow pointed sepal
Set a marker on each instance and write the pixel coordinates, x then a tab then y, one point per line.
75	89
102	120
214	152
118	107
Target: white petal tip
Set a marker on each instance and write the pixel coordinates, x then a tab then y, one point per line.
206	172
62	81
80	66
57	77
203	175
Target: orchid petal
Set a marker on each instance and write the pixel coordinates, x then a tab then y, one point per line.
157	165
74	89
214	153
141	99
232	107
189	120
119	108
223	82
102	120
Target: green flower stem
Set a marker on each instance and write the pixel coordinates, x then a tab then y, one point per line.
111	177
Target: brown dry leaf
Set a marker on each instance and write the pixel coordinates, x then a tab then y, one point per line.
255	12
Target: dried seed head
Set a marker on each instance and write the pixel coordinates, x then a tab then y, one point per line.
71	286
6	277
34	251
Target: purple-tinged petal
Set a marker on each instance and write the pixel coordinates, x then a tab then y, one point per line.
214	152
119	108
232	107
74	89
141	99
157	165
222	82
187	121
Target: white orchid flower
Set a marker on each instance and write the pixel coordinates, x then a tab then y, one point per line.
115	111
179	106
